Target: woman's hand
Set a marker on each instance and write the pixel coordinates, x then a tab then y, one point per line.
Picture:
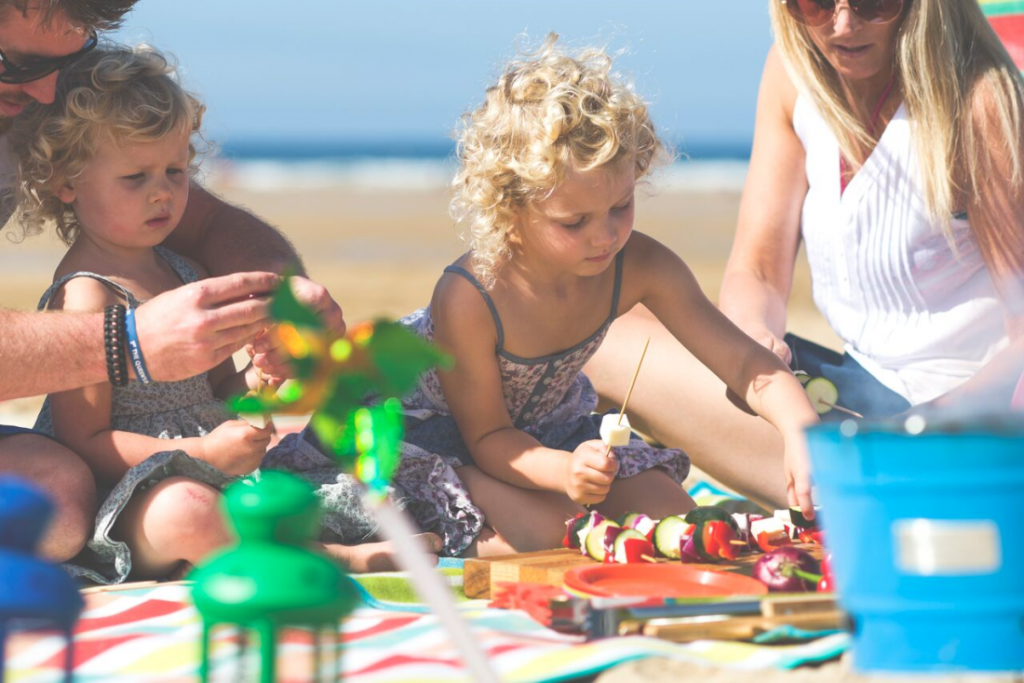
591	473
797	465
235	447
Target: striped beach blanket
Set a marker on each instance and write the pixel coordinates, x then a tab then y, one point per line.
152	634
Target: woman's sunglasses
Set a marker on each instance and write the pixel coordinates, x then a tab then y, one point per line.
15	74
820	12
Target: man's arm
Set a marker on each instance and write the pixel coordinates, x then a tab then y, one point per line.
63	350
227	239
182	332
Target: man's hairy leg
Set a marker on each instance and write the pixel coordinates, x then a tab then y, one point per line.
65	479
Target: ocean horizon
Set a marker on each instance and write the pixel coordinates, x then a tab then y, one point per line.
268	165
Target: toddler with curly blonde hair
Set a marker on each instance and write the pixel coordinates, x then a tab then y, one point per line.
109	164
505	447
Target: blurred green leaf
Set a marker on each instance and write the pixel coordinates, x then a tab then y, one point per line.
284	307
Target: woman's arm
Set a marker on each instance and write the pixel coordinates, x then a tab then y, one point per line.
759	274
464	328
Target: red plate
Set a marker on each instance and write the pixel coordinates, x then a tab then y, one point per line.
662	580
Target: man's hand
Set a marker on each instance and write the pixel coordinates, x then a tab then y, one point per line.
319	299
191	329
268	356
591	473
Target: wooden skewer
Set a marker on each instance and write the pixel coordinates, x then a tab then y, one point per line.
655	560
131	585
841	409
629	392
737	541
268	418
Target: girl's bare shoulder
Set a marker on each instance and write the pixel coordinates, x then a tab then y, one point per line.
458	303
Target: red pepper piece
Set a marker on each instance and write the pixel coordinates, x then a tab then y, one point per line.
810	536
827	583
769	541
638	551
715	536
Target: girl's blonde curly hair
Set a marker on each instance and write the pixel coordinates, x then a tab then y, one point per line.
114	93
549	112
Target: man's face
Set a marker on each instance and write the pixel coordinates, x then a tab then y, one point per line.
24	38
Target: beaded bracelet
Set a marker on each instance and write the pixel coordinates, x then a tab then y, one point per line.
113	343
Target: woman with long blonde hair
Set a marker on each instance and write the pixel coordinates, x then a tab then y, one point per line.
889	141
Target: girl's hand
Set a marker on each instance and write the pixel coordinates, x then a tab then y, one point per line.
798	473
591	473
767	339
235	447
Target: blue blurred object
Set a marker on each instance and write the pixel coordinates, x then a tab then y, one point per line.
924	522
33	592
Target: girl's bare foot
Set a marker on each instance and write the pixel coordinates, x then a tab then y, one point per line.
379	556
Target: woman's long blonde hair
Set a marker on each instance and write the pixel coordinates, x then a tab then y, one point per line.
549	112
946	54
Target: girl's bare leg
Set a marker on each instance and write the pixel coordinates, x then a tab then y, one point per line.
520	519
177	520
680	403
653	493
378	556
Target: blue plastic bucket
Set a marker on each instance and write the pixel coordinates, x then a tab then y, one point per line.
927	537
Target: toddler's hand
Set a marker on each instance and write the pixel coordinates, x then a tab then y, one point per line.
269	358
236	447
591	473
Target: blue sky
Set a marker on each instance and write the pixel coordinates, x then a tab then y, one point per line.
406	69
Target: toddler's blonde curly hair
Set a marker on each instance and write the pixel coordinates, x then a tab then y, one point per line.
549	112
115	93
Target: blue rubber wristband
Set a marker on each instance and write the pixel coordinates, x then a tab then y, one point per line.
134	350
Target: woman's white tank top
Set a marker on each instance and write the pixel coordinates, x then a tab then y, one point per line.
917	314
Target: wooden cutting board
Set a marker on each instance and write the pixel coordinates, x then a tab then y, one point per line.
548	567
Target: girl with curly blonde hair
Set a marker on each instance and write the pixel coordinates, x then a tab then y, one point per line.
504	448
109	165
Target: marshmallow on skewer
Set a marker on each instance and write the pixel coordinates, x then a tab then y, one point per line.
614	433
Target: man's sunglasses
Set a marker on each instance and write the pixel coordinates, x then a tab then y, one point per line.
14	74
820	12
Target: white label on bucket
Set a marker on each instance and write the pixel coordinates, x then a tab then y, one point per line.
932	547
